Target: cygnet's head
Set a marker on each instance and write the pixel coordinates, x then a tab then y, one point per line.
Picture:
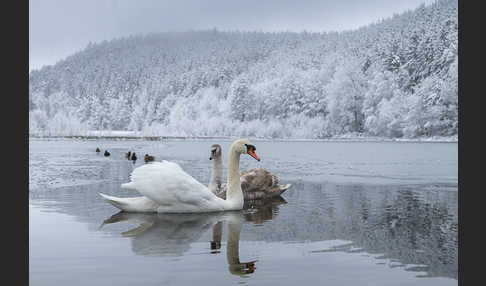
215	152
244	146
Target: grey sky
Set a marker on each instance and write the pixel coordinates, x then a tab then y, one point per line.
58	28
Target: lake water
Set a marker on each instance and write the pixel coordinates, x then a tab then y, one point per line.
358	213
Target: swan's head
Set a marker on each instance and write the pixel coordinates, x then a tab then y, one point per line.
215	152
244	146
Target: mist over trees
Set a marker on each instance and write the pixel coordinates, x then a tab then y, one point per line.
394	78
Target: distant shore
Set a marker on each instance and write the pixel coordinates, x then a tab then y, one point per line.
342	138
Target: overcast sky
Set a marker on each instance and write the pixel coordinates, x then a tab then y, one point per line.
58	28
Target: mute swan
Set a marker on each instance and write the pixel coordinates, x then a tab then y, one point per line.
255	183
216	182
166	188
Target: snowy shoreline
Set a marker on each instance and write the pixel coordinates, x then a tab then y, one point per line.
127	135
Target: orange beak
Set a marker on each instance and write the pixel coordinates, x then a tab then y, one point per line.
252	153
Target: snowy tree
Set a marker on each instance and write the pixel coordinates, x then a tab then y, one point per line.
396	77
346	96
242	100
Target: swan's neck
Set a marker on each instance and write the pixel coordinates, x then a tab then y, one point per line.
234	193
216	175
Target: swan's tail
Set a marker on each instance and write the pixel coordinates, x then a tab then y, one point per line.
129	185
135	204
285	187
117	202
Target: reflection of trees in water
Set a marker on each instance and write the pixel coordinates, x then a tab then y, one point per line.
415	232
427	231
402	223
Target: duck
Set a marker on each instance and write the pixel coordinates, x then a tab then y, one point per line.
128	155
256	183
167	188
98	150
134	157
106	153
148	158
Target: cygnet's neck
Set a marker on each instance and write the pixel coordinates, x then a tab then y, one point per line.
216	175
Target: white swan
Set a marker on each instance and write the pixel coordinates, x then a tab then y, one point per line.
168	189
255	183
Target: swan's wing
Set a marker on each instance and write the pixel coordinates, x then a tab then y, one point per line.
257	179
167	184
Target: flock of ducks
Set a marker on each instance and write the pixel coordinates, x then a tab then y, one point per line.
166	188
106	154
130	156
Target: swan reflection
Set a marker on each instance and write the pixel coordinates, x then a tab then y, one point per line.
173	234
165	234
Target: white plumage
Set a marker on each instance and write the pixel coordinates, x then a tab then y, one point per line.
169	189
172	189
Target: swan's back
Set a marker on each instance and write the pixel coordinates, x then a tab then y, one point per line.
257	179
257	184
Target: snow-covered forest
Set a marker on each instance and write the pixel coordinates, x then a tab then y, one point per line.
394	78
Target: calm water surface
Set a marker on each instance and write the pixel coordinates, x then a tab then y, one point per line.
358	213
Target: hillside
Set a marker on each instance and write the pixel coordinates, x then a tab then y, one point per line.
394	78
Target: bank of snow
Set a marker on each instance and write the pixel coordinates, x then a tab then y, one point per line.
352	137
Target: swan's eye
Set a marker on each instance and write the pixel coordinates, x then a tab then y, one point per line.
250	147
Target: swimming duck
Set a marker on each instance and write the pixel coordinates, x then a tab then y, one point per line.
147	158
